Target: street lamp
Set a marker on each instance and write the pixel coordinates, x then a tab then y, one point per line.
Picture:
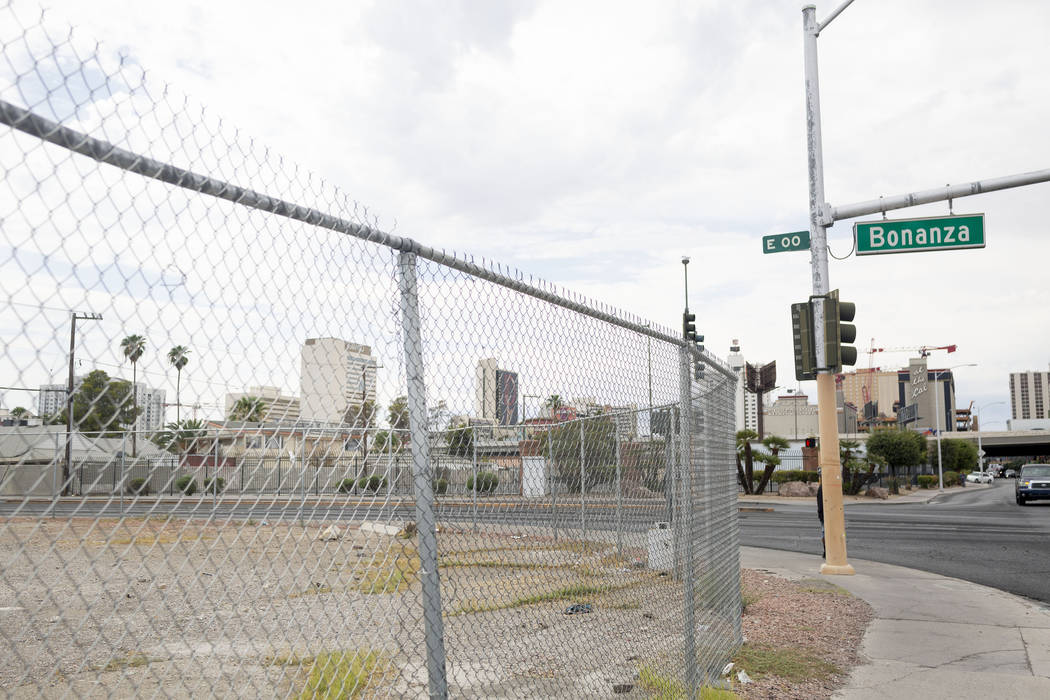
937	411
980	450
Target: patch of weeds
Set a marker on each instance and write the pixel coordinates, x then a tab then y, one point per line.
792	663
289	659
666	688
748	598
129	661
579	592
492	564
337	675
816	585
385	580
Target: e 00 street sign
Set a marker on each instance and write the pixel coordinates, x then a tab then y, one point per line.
919	235
784	242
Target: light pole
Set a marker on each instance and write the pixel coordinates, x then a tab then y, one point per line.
67	465
937	412
980	450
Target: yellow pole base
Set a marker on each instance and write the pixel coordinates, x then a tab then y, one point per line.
837	570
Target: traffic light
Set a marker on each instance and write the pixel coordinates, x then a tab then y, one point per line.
689	326
811	443
837	333
805	350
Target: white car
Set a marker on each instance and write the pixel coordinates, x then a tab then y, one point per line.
979	478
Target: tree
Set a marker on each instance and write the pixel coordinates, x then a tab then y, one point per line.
599	451
897	448
101	406
133	346
177	356
553	402
773	443
19	412
956	455
387	441
182	438
857	471
360	415
746	458
250	409
745	469
397	414
460	440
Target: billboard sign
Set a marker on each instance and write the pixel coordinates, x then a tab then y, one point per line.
506	397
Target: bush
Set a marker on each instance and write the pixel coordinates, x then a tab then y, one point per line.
347	485
441	486
928	480
784	475
138	486
186	484
372	483
951	478
487	482
216	484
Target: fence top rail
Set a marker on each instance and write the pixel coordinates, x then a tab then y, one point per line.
104	152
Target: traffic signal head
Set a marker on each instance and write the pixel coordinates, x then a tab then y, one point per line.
838	333
811	442
805	350
689	326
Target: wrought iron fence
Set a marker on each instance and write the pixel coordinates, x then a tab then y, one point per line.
420	530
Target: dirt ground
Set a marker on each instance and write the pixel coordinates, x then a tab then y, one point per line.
121	608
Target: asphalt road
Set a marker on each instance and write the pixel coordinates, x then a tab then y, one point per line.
980	535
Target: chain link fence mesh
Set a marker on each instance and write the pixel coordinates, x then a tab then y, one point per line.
305	457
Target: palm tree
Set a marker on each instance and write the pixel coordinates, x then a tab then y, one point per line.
250	409
553	402
133	347
19	412
177	356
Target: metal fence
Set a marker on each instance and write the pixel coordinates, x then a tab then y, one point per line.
540	491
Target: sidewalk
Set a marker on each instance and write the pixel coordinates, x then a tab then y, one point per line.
913	496
933	636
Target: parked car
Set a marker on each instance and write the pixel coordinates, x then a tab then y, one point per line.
1033	483
979	478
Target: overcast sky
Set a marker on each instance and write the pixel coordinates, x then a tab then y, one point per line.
593	144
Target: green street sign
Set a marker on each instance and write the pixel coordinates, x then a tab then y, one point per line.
918	235
784	242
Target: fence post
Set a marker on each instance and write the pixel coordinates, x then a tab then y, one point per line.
619	499
685	512
474	471
423	488
583	489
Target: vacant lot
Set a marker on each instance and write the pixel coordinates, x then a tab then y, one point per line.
181	608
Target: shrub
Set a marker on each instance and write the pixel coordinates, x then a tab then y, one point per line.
928	480
347	485
186	485
441	486
951	478
372	483
216	484
138	486
487	482
784	475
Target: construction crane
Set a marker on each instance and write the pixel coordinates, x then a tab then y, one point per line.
923	350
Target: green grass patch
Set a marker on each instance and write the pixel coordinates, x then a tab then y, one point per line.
748	598
343	674
129	661
664	687
817	585
791	663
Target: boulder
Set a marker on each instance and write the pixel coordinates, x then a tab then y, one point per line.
877	492
812	488
795	489
330	533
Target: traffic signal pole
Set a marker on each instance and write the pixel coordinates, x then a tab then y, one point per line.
819	220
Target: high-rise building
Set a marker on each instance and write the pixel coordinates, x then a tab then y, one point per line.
1030	395
933	390
496	393
870	385
52	401
277	407
337	378
746	402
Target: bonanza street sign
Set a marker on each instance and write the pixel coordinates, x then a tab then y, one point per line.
784	242
918	235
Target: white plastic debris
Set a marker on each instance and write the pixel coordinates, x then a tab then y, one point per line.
727	668
742	676
330	533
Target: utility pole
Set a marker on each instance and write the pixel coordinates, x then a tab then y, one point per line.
67	465
830	467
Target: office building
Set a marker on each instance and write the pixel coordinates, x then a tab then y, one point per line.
496	393
337	378
933	390
1029	395
874	385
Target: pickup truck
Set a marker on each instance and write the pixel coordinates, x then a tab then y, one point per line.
1032	483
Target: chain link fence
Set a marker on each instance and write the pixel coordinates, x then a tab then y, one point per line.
260	447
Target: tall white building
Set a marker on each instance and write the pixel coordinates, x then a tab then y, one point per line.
746	402
52	400
495	393
336	375
278	407
1029	395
